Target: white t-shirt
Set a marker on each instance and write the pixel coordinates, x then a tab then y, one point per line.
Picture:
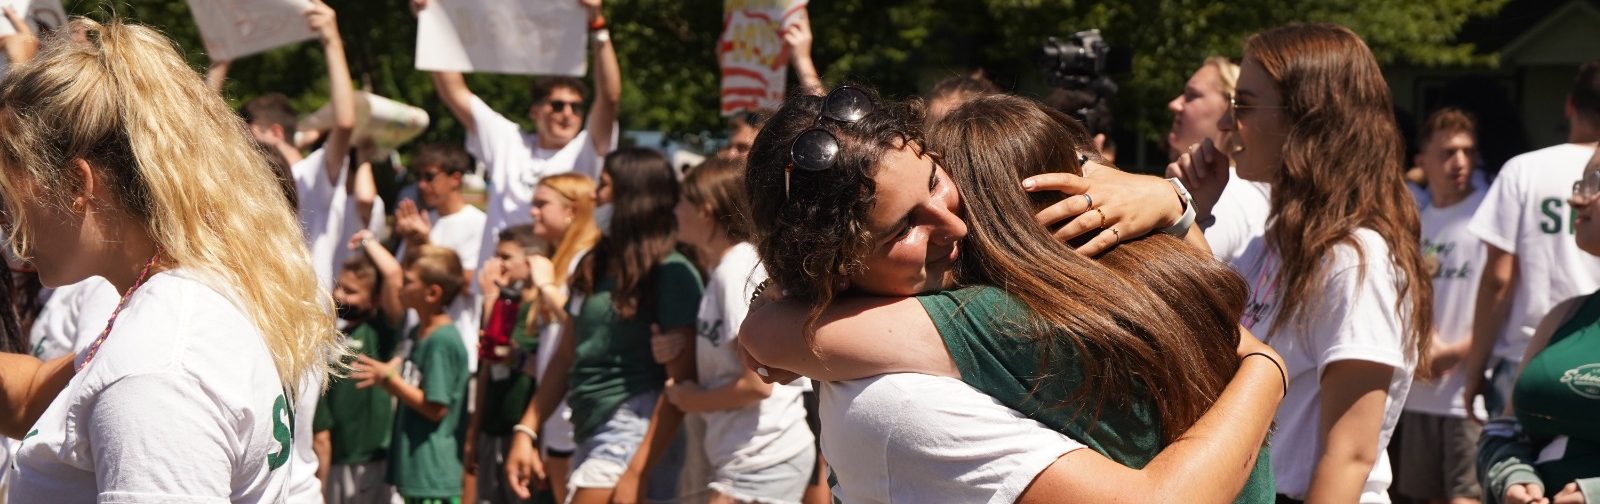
304	487
1459	256
182	404
328	215
516	163
1241	216
1354	317
763	434
72	317
914	438
1526	213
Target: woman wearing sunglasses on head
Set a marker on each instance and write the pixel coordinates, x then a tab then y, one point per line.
911	430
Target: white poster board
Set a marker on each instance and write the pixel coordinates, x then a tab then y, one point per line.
43	16
235	28
526	37
751	52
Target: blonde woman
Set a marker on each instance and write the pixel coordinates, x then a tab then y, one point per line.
117	161
1231	210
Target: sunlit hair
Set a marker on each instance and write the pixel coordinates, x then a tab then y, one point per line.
1447	120
177	162
581	235
1342	166
717	186
438	267
1152	324
1227	74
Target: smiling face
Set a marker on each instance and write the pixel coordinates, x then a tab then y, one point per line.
1258	124
552	214
1196	112
559	116
915	228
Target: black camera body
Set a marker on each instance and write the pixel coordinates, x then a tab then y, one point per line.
1082	65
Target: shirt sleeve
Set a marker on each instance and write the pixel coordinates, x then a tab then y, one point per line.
162	437
322	420
1356	316
1498	220
969	440
494	139
678	291
311	180
735	302
443	371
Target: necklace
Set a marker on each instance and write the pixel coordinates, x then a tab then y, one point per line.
143	276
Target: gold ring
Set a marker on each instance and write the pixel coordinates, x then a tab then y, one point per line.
1102	217
1116	234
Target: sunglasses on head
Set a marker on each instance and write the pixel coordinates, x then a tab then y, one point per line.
560	105
816	149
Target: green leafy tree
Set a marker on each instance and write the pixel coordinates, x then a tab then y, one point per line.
671	82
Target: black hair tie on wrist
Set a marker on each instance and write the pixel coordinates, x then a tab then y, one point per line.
1281	374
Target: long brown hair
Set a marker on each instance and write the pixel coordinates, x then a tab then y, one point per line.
1342	170
717	185
643	230
1154	318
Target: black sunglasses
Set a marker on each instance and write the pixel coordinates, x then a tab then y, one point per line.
816	149
559	105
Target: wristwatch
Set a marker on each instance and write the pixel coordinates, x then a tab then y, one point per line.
1181	228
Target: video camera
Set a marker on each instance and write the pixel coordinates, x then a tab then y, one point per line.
1082	66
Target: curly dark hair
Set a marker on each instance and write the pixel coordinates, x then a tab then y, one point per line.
813	238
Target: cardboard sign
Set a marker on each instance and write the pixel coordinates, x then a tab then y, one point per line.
235	28
388	124
751	52
526	37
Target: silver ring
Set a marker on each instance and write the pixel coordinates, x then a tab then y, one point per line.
763	372
1088	200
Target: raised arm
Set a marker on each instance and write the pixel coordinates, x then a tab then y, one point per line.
217	75
364	190
341	94
607	82
797	37
452	90
394	312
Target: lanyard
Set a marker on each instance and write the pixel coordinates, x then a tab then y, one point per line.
144	275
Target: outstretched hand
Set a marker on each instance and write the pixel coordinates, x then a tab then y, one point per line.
322	20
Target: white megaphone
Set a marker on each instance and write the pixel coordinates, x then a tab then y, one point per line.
386	123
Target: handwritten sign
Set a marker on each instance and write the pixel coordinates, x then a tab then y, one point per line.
235	28
527	37
752	54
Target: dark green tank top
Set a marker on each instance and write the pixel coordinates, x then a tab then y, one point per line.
1558	394
979	325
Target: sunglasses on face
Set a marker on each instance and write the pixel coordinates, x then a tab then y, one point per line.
816	149
560	105
428	176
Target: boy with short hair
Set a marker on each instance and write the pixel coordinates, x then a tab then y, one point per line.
352	424
452	224
425	455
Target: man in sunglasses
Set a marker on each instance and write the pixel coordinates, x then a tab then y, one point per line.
516	160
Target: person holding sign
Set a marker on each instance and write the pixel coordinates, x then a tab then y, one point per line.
119	162
516	161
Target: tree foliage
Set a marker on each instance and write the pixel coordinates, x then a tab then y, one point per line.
666	48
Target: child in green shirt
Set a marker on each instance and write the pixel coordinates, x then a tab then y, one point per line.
425	462
353	423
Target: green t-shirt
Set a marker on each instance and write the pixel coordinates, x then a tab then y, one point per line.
425	459
613	355
1558	394
977	325
506	399
358	420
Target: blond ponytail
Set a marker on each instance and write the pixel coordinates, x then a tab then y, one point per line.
121	97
